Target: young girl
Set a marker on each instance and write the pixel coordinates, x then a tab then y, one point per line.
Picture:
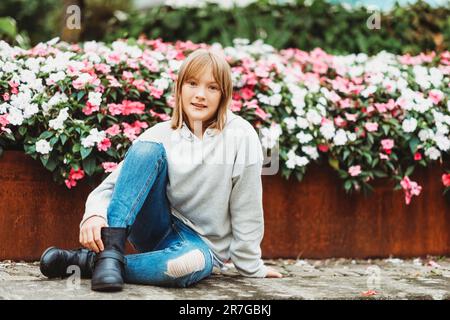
188	195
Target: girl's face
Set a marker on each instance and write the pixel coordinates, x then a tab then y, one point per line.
200	98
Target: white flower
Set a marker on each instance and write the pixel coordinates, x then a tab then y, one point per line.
442	142
275	100
270	136
368	91
15	116
311	152
275	87
340	138
441	128
43	146
409	125
290	123
351	136
425	134
161	84
302	123
30	110
328	131
433	153
95	98
58	123
304	138
301	161
94	137
314	117
55	77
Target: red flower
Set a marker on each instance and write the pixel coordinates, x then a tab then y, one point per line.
446	179
417	156
323	147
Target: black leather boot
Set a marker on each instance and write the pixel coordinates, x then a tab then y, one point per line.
109	264
54	262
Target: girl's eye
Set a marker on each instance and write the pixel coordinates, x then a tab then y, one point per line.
214	88
192	83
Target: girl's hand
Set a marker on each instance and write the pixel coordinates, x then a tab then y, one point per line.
90	233
272	273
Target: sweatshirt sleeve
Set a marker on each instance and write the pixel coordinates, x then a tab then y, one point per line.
246	209
98	200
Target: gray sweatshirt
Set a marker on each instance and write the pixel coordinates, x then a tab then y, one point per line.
214	186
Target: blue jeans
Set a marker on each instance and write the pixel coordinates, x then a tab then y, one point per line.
170	253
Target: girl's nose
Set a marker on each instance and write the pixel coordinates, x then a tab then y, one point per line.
200	92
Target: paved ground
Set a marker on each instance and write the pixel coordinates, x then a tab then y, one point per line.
303	279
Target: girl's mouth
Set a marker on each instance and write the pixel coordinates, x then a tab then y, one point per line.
199	106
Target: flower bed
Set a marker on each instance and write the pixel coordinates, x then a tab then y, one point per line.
77	108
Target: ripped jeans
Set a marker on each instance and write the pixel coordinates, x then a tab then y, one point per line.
170	253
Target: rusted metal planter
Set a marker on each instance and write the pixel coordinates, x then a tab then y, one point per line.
311	219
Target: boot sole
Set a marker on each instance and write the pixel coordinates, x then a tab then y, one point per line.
107	287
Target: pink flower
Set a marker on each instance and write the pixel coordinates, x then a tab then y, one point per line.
4	119
351	117
411	189
113	130
371	126
260	113
140	84
70	183
104	145
140	124
387	144
162	116
6	96
383	156
436	96
132	107
127	75
113	81
247	93
74	175
340	122
354	171
102	67
446	180
114	108
109	166
155	92
89	108
236	105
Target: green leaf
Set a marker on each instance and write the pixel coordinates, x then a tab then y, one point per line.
44	159
51	164
413	143
385	129
63	138
85	152
334	163
89	166
100	117
45	135
409	171
348	185
76	147
80	95
8	27
23	130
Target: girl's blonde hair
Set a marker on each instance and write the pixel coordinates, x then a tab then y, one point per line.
196	63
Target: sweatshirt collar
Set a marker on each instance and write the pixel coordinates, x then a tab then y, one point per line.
187	134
